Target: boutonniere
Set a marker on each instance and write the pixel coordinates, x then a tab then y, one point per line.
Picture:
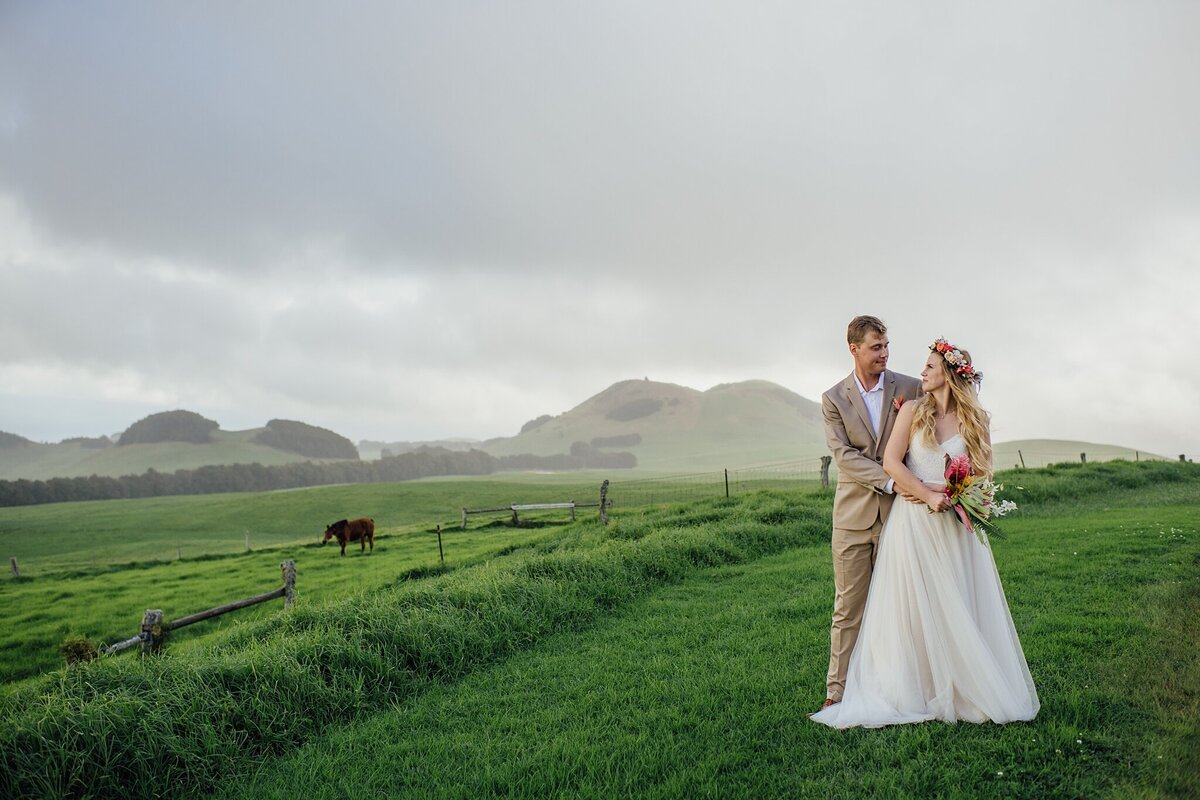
899	401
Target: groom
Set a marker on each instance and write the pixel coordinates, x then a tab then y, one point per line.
859	413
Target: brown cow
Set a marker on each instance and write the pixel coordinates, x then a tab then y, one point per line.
360	530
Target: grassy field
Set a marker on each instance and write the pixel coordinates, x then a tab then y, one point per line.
106	606
91	569
701	690
673	653
83	536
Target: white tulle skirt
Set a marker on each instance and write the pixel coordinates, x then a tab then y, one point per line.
937	640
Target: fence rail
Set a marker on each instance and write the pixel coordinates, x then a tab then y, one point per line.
516	508
154	630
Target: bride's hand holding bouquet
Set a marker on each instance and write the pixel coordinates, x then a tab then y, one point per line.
973	497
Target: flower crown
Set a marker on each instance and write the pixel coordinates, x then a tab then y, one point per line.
957	360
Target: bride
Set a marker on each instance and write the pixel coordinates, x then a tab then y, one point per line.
937	640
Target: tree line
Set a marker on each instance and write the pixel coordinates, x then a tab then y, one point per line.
255	477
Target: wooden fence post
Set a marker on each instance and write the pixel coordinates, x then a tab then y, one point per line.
152	632
727	483
441	555
1083	458
288	568
464	525
604	502
16	572
825	462
1021	456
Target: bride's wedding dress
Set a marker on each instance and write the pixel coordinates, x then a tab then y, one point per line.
937	640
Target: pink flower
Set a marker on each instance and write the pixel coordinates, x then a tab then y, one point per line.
957	469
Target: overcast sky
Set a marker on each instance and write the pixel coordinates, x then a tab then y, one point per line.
416	221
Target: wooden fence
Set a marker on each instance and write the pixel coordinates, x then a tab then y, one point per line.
154	629
516	508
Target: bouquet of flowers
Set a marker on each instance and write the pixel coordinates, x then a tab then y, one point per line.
974	498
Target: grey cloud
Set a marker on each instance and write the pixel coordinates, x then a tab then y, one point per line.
676	137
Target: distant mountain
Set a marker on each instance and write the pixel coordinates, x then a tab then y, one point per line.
170	441
11	440
676	428
666	427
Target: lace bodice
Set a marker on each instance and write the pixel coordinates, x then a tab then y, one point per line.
929	464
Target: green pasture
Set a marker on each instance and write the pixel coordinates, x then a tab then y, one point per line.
107	606
83	536
90	570
702	690
673	653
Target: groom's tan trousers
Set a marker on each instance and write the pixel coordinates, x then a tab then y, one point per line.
853	559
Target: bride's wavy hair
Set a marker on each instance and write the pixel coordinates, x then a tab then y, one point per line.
973	420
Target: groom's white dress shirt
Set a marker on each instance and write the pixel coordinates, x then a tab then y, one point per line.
873	400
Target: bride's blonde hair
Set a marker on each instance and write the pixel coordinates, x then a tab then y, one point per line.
973	420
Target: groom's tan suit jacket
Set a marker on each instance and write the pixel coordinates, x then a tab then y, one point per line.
862	495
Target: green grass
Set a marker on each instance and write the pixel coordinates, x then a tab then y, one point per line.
673	653
702	690
91	569
189	717
106	606
87	535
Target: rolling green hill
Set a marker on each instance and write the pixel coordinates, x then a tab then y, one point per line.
75	459
673	428
681	429
667	427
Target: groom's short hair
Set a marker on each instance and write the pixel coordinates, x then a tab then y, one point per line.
857	330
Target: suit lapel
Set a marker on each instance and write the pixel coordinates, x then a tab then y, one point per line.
856	400
887	414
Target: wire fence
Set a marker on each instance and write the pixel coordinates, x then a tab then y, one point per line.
681	487
1007	458
623	493
805	474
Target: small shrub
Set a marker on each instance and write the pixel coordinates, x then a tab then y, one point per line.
75	649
